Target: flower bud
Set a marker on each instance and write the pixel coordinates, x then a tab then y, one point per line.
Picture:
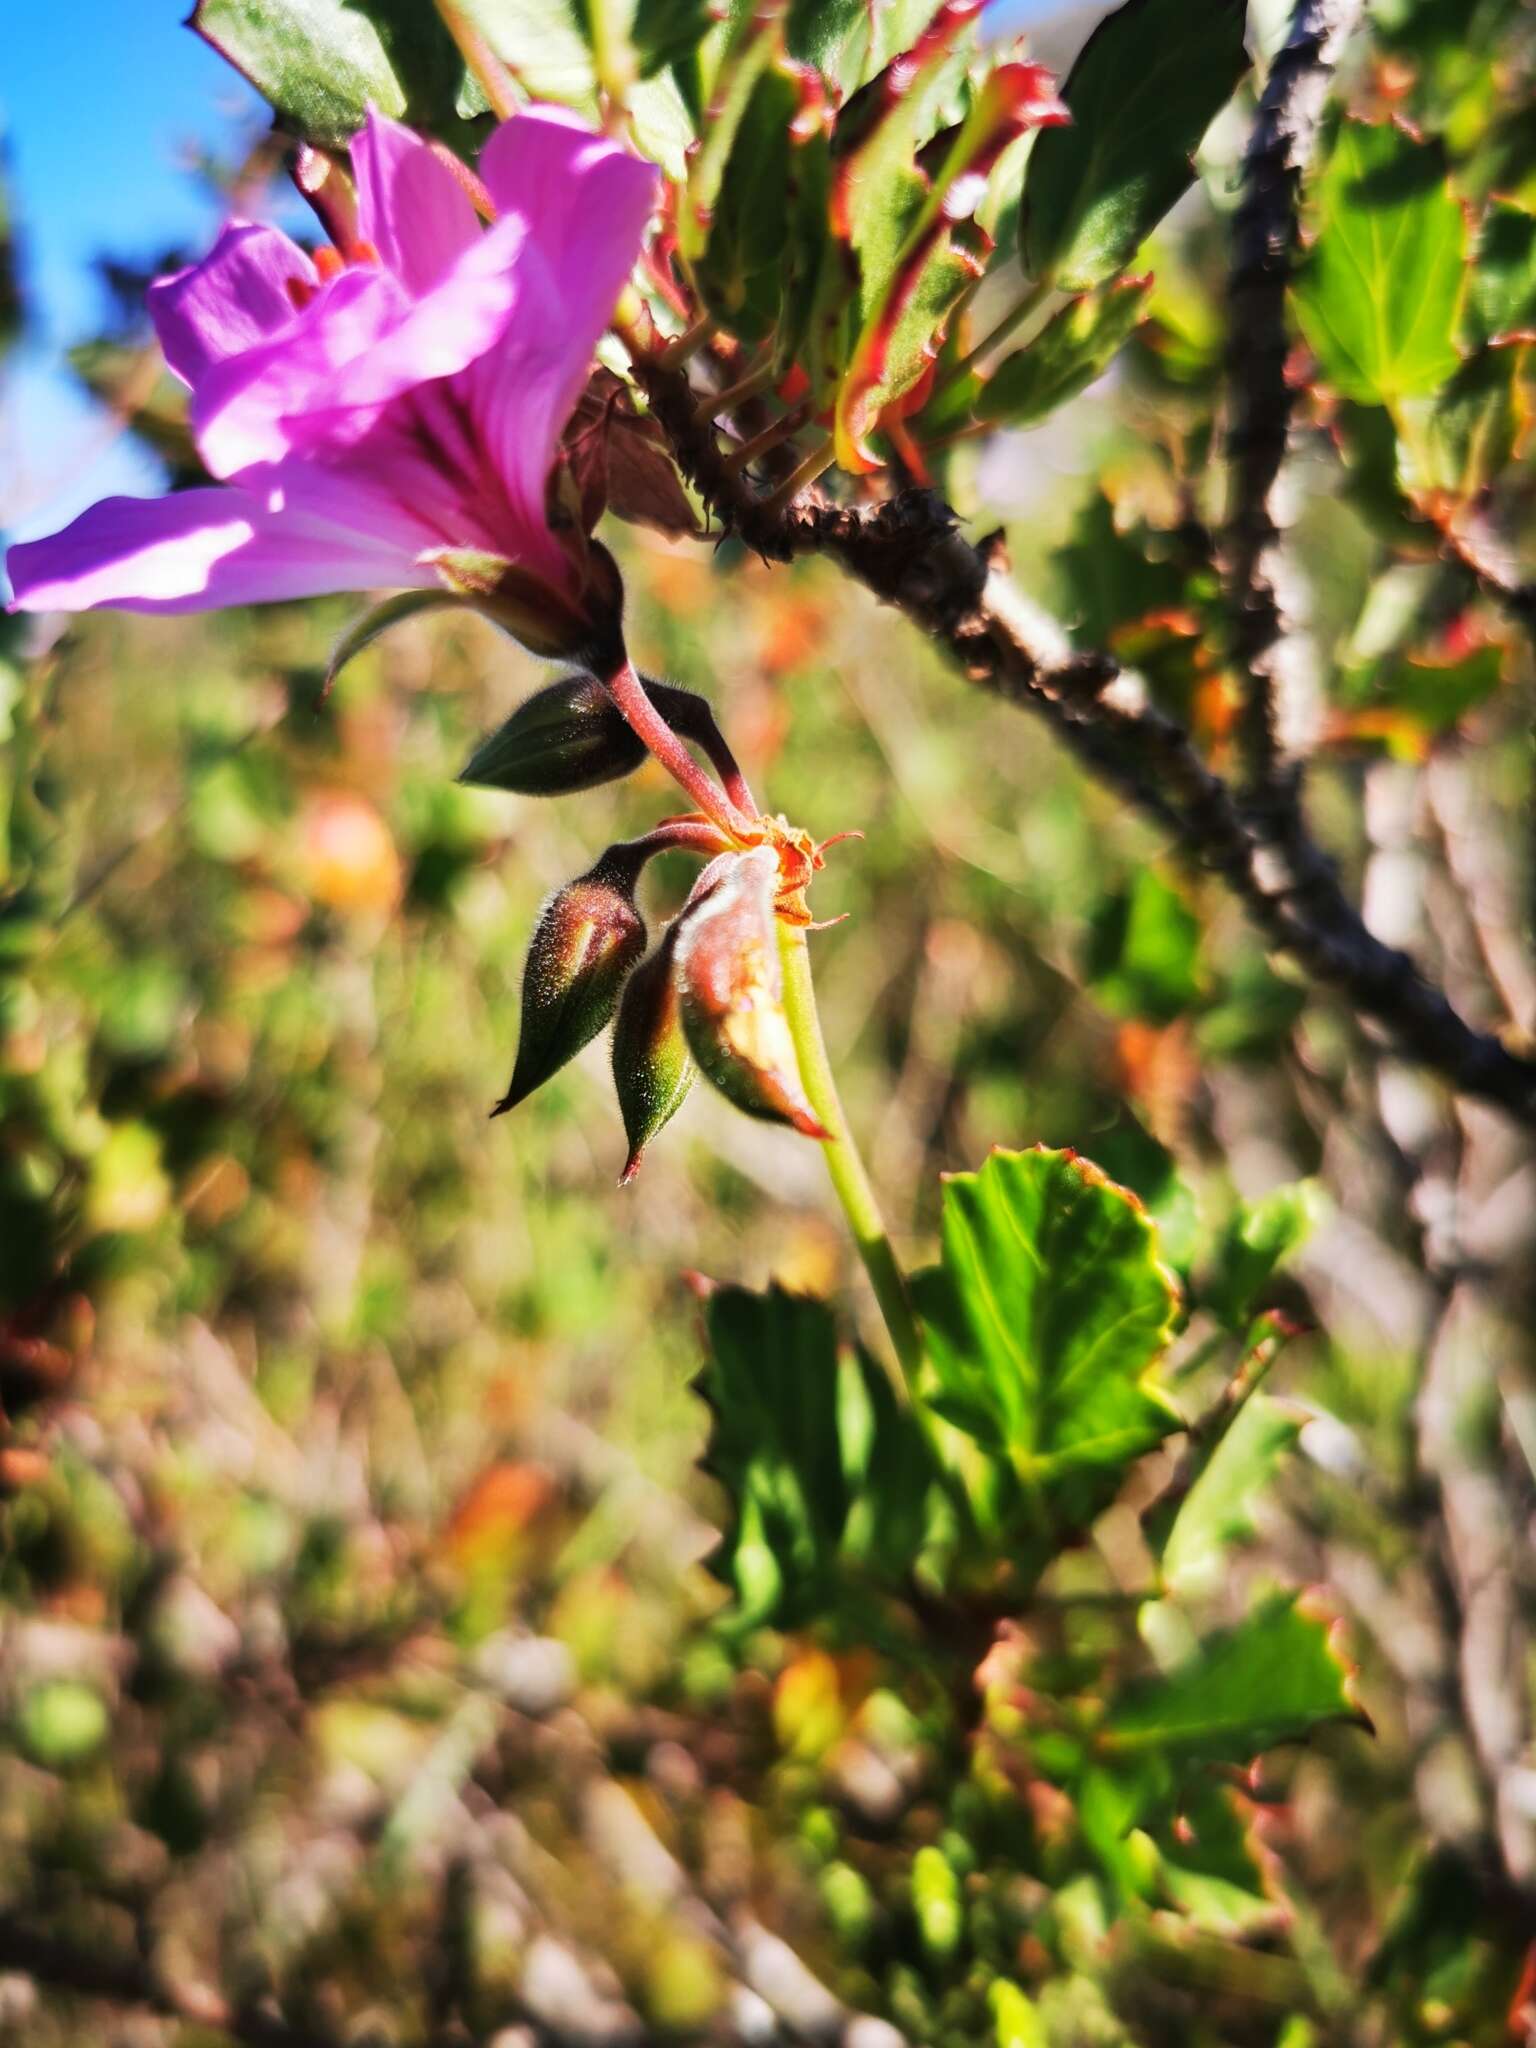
588	937
568	736
571	735
731	995
651	1068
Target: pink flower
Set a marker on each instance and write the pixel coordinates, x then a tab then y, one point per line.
369	419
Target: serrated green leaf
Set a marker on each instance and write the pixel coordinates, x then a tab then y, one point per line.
825	1473
1501	293
1071	351
322	63
1045	1322
1217	1512
1147	84
1273	1678
1379	297
1210	1867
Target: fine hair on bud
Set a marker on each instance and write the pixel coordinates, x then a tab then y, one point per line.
652	1072
588	937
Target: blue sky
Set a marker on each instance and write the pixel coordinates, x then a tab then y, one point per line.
100	101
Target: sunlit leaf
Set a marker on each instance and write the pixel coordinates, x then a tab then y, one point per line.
1379	297
323	63
1273	1678
1143	957
1217	1512
819	1464
1045	1324
1451	447
1071	351
1146	85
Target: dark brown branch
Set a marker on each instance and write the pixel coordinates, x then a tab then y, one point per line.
909	552
1259	397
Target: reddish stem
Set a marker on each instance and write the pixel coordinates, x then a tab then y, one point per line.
630	695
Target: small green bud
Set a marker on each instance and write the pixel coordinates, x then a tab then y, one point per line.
731	993
849	1904
568	736
571	735
651	1068
588	937
936	1903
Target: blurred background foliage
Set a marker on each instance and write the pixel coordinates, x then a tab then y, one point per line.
347	1438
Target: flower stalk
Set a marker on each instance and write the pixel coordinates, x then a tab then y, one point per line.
850	1180
633	700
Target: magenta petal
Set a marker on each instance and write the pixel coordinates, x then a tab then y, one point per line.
233	299
586	202
301	534
409	205
362	343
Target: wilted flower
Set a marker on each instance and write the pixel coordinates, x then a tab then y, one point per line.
731	992
389	416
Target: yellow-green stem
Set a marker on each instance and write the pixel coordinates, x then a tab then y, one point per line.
850	1182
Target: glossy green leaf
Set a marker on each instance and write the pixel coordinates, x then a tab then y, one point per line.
1146	85
824	1472
1217	1512
323	63
1045	1323
1379	297
1071	351
1501	294
1273	1678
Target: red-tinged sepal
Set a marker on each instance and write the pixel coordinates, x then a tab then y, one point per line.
652	1071
731	994
588	937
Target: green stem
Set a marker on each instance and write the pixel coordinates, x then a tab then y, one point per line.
849	1180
